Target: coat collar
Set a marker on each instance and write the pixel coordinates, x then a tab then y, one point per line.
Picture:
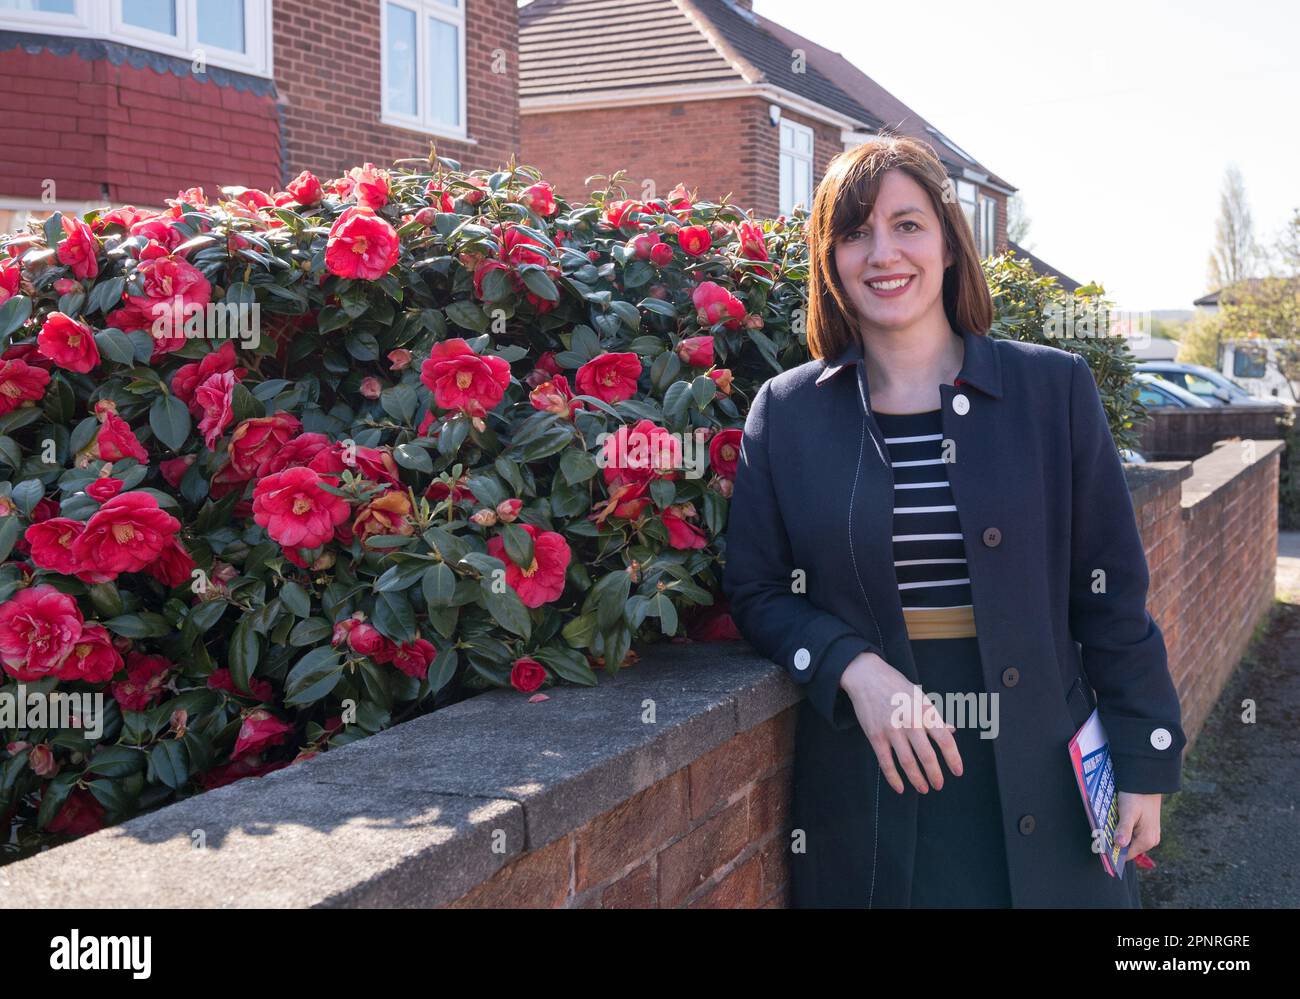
981	367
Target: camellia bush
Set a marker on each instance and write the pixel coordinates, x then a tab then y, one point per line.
284	469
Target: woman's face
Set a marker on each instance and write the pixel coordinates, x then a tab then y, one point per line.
900	246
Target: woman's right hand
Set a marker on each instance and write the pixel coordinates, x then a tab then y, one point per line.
878	691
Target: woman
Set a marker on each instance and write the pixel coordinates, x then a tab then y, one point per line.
925	510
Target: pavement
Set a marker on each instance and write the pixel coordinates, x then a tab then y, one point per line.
1231	837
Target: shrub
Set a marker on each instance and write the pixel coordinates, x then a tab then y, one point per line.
285	470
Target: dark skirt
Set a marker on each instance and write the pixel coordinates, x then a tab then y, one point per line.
961	859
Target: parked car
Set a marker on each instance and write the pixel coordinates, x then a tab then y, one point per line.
1215	388
1155	391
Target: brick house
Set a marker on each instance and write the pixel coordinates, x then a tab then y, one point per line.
130	101
712	94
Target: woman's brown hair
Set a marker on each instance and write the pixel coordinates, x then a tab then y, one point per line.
844	200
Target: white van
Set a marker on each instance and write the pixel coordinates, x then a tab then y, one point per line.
1257	365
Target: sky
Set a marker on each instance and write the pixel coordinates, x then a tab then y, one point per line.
1115	120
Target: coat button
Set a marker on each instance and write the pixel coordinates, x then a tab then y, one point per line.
1161	738
1026	824
1010	676
992	537
960	404
802	659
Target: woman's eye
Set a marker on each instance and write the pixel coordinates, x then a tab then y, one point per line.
913	224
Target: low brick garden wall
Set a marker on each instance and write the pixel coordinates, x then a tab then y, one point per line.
667	786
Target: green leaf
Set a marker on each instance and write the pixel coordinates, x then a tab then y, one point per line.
506	608
540	284
170	420
400	577
295	598
414	457
467	315
313	676
439	585
9	528
13	314
577	466
311	631
666	613
146	624
395	617
116	761
242	656
116	346
169	763
519	545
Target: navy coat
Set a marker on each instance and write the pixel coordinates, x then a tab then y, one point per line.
1059	584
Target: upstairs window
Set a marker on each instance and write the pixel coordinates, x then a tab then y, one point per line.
423	45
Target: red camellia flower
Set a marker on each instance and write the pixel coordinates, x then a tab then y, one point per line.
694	240
126	534
94	657
295	510
145	676
724	452
527	674
681	533
369	186
752	245
697	351
174	469
116	440
104	488
713	304
361	245
517	247
415	658
259	732
617	211
639	453
462	379
160	230
80	815
216	397
540	198
173	565
221	679
543	580
68	343
661	254
79	248
20	383
51	544
554	396
365	640
255	444
306	189
299	450
11	279
171	287
189	377
611	377
38	628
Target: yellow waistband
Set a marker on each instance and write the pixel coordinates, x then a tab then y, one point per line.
939	622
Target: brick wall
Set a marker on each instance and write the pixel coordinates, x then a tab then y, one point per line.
1212	549
711	835
115	132
718	147
327	71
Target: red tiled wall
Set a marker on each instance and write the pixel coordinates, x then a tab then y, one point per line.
327	72
115	133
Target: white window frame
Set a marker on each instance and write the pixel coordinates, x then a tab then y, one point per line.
988	233
102	19
421	122
787	158
968	200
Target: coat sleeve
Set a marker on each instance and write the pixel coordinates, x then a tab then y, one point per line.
814	645
1124	655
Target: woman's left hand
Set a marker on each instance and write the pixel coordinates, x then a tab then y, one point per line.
1139	822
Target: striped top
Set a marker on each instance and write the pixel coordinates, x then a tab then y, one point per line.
929	551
